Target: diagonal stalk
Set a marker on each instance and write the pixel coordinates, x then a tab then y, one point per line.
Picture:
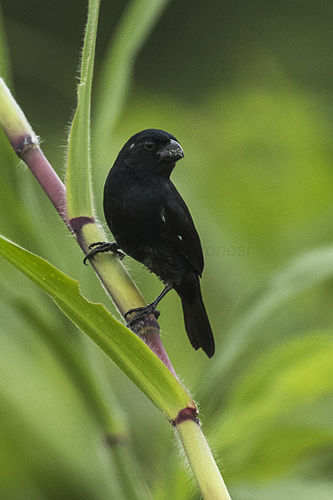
202	461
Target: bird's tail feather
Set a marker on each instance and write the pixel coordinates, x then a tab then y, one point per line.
197	324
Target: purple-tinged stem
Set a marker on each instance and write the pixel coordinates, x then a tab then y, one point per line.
149	333
47	178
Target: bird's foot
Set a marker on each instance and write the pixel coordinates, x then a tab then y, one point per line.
141	313
102	247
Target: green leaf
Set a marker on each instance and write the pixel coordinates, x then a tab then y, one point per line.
79	194
281	411
129	352
136	24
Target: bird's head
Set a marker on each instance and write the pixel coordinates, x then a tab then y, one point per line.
151	152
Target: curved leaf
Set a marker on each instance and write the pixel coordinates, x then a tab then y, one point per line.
129	352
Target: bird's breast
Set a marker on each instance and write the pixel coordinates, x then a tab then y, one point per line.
131	215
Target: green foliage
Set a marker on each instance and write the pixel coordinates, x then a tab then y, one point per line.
303	273
280	412
120	344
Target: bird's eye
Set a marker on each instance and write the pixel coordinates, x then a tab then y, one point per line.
149	146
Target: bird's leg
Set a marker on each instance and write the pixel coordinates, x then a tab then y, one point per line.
149	309
101	247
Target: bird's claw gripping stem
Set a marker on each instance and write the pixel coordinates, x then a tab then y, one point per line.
102	247
142	312
149	309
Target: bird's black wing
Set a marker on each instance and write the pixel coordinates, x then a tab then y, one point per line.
177	226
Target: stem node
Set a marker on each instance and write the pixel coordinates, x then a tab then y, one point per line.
188	413
77	223
25	144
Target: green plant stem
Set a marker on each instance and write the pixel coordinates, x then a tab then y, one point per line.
110	270
202	461
128	470
120	286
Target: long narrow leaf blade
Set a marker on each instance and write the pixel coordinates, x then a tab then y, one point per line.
79	193
129	352
136	24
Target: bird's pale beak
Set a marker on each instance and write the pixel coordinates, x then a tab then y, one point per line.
171	152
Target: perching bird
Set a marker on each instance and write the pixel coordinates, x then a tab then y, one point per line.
151	222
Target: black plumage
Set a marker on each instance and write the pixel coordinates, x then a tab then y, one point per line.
151	222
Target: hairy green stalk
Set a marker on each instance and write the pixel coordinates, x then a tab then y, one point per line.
202	461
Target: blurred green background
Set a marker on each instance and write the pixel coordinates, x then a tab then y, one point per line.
247	90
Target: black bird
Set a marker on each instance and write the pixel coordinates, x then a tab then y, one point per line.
151	222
